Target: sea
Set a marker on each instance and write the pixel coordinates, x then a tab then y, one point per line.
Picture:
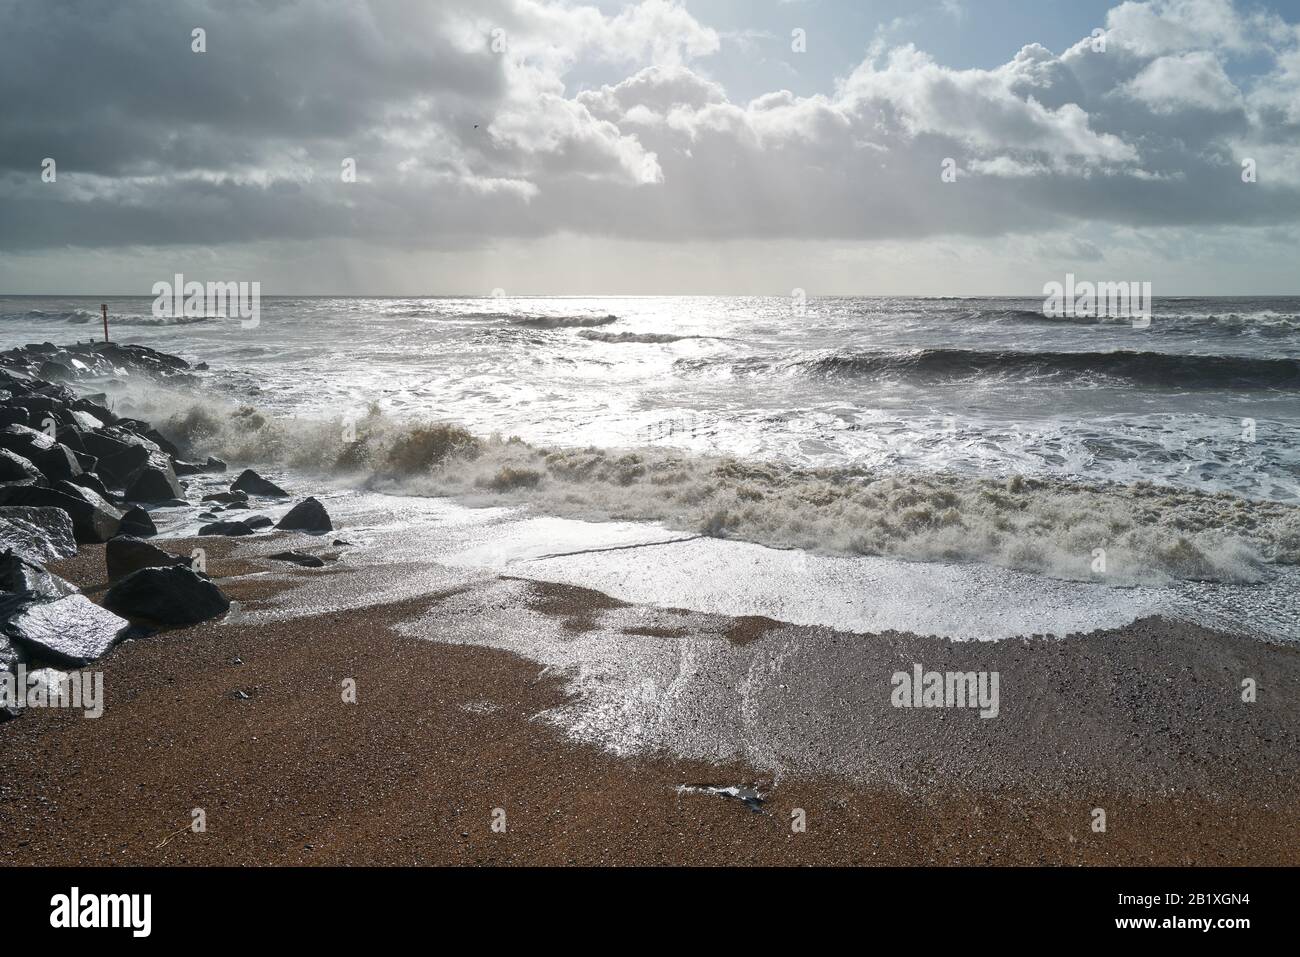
969	437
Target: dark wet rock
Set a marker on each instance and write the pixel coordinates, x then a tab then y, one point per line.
104	444
309	515
257	521
91	481
39	534
72	437
18	470
252	483
226	497
124	554
54	459
54	371
298	558
11	415
119	468
174	596
226	528
93	518
94	405
233	506
72	629
196	468
18	574
154	481
339	541
137	523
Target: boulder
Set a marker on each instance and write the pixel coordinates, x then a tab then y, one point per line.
175	596
226	528
252	483
137	522
226	497
17	470
154	481
257	521
19	575
72	629
124	555
308	515
54	459
298	558
93	519
118	468
40	534
91	481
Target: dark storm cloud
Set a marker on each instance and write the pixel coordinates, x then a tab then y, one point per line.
159	145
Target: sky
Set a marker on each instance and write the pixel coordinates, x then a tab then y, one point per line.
456	147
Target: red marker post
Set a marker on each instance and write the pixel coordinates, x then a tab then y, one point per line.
103	308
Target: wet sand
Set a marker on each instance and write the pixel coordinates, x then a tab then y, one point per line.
248	722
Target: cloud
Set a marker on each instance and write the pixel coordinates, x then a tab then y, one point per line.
467	126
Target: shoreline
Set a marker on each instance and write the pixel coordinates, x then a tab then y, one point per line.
443	734
499	718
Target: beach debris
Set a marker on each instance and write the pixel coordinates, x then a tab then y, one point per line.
252	483
175	595
309	515
72	629
747	794
298	558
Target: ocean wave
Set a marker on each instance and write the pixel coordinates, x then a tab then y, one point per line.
1266	322
635	337
1117	534
1188	371
562	322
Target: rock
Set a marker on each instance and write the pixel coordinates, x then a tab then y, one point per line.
175	596
18	574
137	523
17	470
91	481
72	629
226	497
308	515
124	555
54	459
153	482
119	468
195	468
93	519
226	528
257	521
298	558
40	534
252	483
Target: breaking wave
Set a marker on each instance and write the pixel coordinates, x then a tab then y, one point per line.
562	322
635	337
1187	371
1117	534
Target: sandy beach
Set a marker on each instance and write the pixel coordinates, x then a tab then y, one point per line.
247	722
